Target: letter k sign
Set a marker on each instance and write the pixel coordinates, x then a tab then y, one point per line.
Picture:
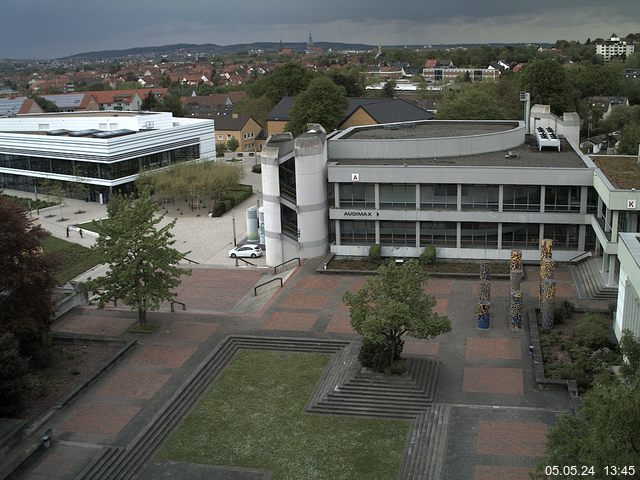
355	177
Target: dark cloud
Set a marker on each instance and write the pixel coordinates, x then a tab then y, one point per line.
47	28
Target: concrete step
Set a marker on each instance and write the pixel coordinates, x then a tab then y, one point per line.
327	409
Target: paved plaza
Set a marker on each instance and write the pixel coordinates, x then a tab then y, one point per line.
499	417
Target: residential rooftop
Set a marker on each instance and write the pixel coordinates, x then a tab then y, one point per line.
428	129
622	171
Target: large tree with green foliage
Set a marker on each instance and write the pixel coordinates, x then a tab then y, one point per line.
286	80
26	281
391	304
322	102
630	140
607	431
549	84
13	367
470	102
143	265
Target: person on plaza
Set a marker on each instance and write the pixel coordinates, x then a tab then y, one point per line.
67	231
80	232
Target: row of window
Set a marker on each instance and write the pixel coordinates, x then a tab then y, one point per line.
474	197
444	234
106	171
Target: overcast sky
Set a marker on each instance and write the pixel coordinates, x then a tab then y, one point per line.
56	28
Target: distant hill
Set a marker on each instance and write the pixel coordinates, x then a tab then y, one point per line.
214	49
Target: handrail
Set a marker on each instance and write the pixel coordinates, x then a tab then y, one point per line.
255	289
275	269
190	261
245	261
184	307
577	258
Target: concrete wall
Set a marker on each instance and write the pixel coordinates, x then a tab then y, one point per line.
271	203
568	125
628	307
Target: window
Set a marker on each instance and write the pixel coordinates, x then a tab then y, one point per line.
479	235
229	137
440	234
592	200
522	235
354	232
480	197
440	197
102	126
521	198
357	195
399	195
398	233
220	137
43	126
562	199
565	237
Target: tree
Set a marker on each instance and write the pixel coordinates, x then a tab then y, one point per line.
630	140
391	304
286	80
323	102
607	432
470	103
548	83
143	265
149	102
44	104
352	78
389	89
12	370
233	144
170	103
26	280
255	107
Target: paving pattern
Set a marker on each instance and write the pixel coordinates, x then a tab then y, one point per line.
488	418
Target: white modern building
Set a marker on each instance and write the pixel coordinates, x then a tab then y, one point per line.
614	47
105	150
628	307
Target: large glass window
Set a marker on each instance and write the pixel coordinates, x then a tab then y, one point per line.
440	197
562	199
521	198
353	232
479	235
592	200
289	219
288	179
521	235
357	195
440	234
480	197
397	195
563	236
398	233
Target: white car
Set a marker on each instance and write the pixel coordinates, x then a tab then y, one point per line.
252	251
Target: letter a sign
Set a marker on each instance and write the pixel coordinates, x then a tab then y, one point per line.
355	177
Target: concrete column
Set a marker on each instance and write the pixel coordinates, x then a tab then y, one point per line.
499	236
336	195
515	310
543	192
378	231
417	234
337	224
377	196
500	201
633	221
611	278
541	231
458	232
614	225
582	235
417	196
607	221
605	262
599	211
584	192
271	202
485	291
459	194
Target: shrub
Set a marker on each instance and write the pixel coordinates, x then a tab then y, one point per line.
563	311
611	308
12	371
218	209
257	168
593	332
375	255
228	198
428	255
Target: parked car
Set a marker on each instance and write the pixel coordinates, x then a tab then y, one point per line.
252	251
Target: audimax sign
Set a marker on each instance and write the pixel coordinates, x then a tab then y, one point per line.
360	213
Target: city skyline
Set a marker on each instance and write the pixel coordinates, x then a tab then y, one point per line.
40	29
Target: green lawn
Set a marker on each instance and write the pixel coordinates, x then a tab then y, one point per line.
253	417
74	259
93	225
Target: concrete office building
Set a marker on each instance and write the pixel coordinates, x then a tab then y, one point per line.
105	150
628	311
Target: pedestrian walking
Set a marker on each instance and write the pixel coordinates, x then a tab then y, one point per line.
80	232
67	231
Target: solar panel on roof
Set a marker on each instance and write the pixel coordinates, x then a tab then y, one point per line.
83	133
113	133
57	132
66	100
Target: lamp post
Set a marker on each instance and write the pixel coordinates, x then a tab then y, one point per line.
233	222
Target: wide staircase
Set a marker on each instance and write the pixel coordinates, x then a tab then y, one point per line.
588	272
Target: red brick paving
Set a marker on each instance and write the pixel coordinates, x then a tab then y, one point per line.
93	325
133	384
99	418
498	289
493	380
339	324
357	283
323	283
300	322
421	347
185	331
484	472
511	438
438	286
442	304
161	356
297	300
493	348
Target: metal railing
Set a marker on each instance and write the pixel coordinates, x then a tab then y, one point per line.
173	302
255	289
275	269
245	261
578	258
190	261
